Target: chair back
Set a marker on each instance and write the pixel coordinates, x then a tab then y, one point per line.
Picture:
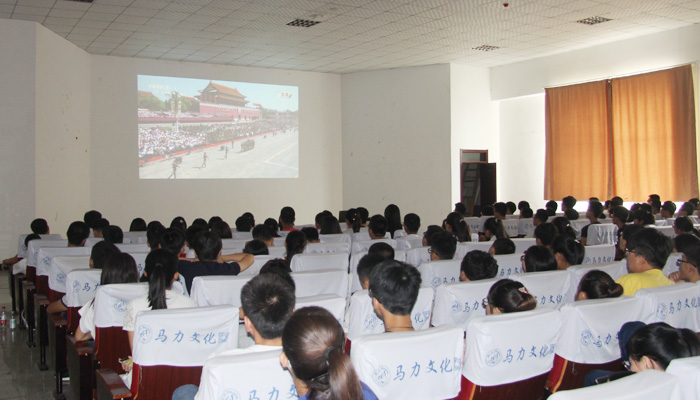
355	285
465	247
242	235
522	244
34	246
550	288
597	254
474	224
361	319
246	376
409	242
457	303
335	238
315	262
330	247
511	226
411	365
22	249
135	237
671	266
602	234
326	281
509	264
364	245
133	247
334	304
61	266
576	272
46	254
257	265
688	372
676	305
417	255
436	273
81	285
525	226
649	384
667	230
218	290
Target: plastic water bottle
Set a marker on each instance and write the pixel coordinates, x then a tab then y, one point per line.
3	318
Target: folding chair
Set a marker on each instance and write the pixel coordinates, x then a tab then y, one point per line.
409	242
649	384
436	273
667	230
550	288
509	355
676	305
597	254
457	303
411	365
257	266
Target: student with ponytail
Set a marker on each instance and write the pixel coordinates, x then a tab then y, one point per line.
295	243
597	284
353	220
507	296
312	351
455	225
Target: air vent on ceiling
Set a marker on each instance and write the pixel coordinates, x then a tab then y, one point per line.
303	23
593	20
486	47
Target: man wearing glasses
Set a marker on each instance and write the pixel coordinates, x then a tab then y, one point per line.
647	252
688	265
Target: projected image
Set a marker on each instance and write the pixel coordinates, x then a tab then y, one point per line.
209	129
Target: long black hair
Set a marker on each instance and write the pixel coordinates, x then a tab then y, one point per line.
161	267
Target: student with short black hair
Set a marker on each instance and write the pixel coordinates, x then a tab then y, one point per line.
567	252
91	217
153	234
77	233
200	222
191	234
222	229
647	252
272	227
138	225
330	225
394	286
502	246
113	234
545	234
443	246
243	224
644	218
684	225
526	213
461	209
568	203
668	209
686	210
213	220
688	265
508	296
411	223
551	207
98	227
427	235
287	218
571	214
540	217
383	249
179	223
595	211
378	226
311	234
365	267
279	267
538	259
500	210
256	247
511	208
262	233
172	239
522	204
39	226
477	265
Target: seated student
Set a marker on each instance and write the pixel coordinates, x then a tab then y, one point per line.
200	222
20	266
502	246
38	226
523	204
571	214
98	227
567	252
311	234
511	208
113	234
551	208
668	209
595	211
256	247
655	207
686	210
493	229
643	217
568	203
377	227
279	267
287	218
539	258
654	346
507	296
526	213
207	247
137	225
91	217
411	224
539	218
688	264
191	233
487	210
312	351
353	221
500	210
77	234
383	249
364	216
619	216
179	223
443	246
294	243
455	225
545	234
393	218
213	220
394	286
564	226
243	224
432	229
597	285
477	265
222	229
365	267
624	236
262	233
99	253
153	234
330	225
683	240
173	239
250	217
118	268
272	226
461	209
684	225
647	252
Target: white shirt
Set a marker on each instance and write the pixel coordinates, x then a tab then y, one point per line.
172	300
87	318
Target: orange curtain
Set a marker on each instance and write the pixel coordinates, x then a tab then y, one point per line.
577	160
653	125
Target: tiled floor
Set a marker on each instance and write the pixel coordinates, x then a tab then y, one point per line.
20	377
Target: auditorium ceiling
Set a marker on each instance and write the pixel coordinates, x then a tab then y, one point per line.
351	35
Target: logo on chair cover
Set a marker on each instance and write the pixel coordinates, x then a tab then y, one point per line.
119	305
661	312
76	286
371	321
47	260
436	282
381	376
493	357
61	278
456	307
144	334
587	339
230	394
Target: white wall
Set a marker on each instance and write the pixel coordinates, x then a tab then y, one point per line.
396	141
62	146
119	194
17	63
474	122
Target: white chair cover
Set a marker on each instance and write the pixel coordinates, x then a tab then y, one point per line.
22	250
315	262
61	266
253	375
509	264
601	253
365	244
465	247
601	234
355	258
409	242
242	235
327	281
279	241
111	301
511	347
667	230
522	244
363	236
275	251
254	269
180	286
457	303
91	241
331	247
81	285
334	304
236	243
335	238
218	290
45	254
360	318
550	288
649	384
671	266
578	224
140	260
35	245
135	237
184	337
436	273
590	328
576	272
418	255
688	372
511	226
676	305
411	365
133	247
474	224
525	226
